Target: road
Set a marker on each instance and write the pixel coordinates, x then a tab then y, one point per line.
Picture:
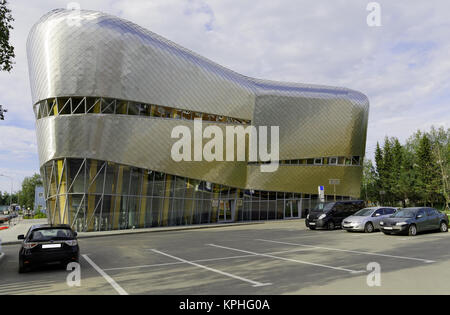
281	257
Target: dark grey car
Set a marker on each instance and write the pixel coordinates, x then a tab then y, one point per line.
413	220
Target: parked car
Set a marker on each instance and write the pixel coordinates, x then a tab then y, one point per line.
413	220
367	219
330	215
48	244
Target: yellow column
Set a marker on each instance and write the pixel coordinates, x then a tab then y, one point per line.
116	210
53	191
97	106
62	219
143	199
55	108
165	212
91	197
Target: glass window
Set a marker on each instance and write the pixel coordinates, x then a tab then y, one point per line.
108	106
318	161
134	108
122	108
378	212
355	160
333	161
389	211
93	105
76	175
78	105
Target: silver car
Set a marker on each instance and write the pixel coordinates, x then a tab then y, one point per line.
367	219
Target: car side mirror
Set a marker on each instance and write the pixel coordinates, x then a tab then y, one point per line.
419	216
21	237
75	234
377	214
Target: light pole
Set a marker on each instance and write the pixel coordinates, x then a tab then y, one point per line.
10	196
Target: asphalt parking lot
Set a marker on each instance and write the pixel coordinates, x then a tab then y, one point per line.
281	257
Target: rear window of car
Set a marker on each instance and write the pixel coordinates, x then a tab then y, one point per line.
51	234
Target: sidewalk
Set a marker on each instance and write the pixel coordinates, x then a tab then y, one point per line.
10	237
21	227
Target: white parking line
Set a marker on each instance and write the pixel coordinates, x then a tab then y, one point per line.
288	259
177	263
349	251
111	281
203	260
254	283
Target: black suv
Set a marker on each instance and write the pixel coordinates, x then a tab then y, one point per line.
46	244
330	215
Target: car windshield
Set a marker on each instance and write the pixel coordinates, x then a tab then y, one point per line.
51	235
406	213
364	212
323	207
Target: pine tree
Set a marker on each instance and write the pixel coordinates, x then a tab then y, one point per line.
427	171
388	165
379	170
397	161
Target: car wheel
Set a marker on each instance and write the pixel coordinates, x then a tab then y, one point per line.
368	228
412	230
330	225
443	227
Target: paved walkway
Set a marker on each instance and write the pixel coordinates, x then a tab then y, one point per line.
9	236
20	226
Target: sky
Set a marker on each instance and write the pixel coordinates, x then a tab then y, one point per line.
403	66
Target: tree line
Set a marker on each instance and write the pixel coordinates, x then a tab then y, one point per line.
25	196
413	174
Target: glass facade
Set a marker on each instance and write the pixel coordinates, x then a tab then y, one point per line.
100	105
93	195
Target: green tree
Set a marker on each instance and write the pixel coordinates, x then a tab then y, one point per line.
369	190
28	188
440	140
379	166
396	171
428	176
6	49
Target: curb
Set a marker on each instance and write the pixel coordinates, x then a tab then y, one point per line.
148	230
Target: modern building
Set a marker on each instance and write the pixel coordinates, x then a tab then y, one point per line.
40	203
107	95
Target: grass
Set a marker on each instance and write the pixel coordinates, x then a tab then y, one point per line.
38	215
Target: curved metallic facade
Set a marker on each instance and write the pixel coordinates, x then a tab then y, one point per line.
75	54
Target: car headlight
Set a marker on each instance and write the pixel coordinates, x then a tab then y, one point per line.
322	216
401	223
381	223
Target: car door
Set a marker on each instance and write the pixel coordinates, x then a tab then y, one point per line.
377	216
432	219
421	220
339	213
